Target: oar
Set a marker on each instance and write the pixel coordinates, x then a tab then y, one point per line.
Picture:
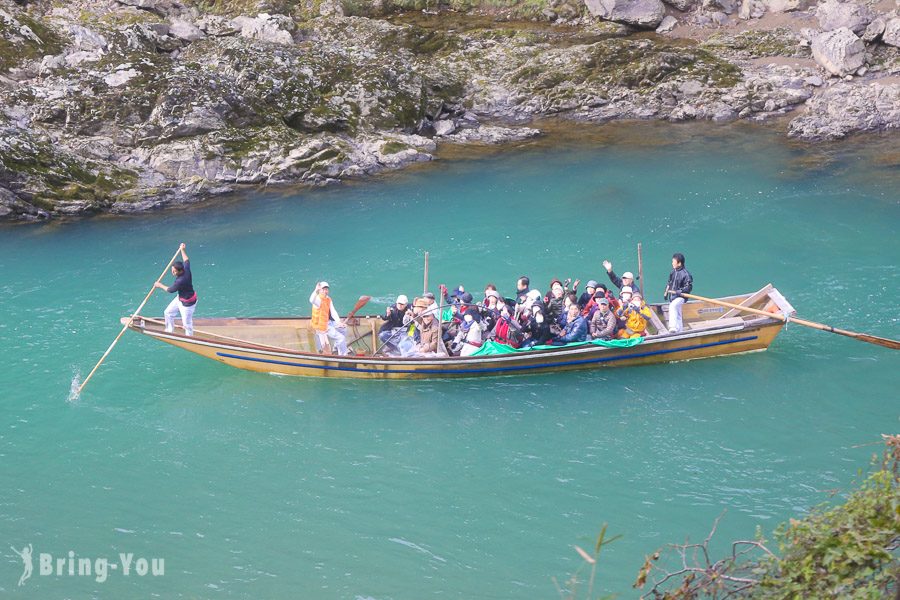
136	312
640	270
359	304
863	337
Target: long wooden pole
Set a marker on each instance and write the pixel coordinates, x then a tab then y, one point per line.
133	315
640	270
863	337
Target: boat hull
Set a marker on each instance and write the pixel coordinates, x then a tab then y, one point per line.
680	347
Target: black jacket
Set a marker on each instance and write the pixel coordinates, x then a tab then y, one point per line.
393	319
617	281
680	281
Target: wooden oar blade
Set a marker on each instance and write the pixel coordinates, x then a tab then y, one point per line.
359	304
874	339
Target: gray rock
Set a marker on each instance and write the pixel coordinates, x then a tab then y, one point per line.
216	26
752	9
493	134
185	31
120	77
690	88
891	35
51	63
845	108
780	6
833	14
719	18
151	5
201	119
873	30
668	24
82	56
444	127
160	29
86	39
839	52
265	27
682	5
729	7
646	14
14	208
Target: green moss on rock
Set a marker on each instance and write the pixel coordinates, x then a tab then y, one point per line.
23	38
757	43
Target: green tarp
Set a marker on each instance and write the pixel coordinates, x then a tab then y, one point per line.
491	348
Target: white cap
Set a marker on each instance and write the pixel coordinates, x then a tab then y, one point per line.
324	284
533	295
628	275
626	289
402	299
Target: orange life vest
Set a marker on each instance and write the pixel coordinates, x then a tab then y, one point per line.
321	313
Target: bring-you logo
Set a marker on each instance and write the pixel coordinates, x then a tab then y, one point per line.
98	568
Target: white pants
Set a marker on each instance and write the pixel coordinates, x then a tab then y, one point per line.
335	337
176	308
675	324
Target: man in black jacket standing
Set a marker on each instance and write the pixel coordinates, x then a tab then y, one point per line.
680	282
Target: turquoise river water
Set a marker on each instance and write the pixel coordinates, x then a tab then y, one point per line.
257	486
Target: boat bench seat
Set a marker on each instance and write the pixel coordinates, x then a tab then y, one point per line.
715	323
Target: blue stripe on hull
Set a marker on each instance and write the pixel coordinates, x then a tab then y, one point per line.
585	361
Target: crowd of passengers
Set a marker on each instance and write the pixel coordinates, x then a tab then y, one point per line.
529	319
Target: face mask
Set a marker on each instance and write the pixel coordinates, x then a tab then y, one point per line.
539	318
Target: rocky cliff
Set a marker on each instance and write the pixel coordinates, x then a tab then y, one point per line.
125	105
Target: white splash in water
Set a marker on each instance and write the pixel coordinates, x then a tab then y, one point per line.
73	388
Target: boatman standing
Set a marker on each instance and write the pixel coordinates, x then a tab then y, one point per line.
326	321
680	282
186	300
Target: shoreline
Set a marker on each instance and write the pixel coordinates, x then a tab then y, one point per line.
556	134
167	105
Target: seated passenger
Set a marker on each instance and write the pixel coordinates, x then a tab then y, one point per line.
571	298
394	320
489	290
507	330
626	280
490	310
428	335
613	301
522	287
590	307
588	294
525	302
604	321
576	329
469	339
536	326
555	300
454	296
637	315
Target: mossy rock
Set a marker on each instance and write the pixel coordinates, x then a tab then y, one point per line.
24	38
394	147
56	175
757	43
627	63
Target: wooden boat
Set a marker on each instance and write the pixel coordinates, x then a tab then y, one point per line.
287	345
